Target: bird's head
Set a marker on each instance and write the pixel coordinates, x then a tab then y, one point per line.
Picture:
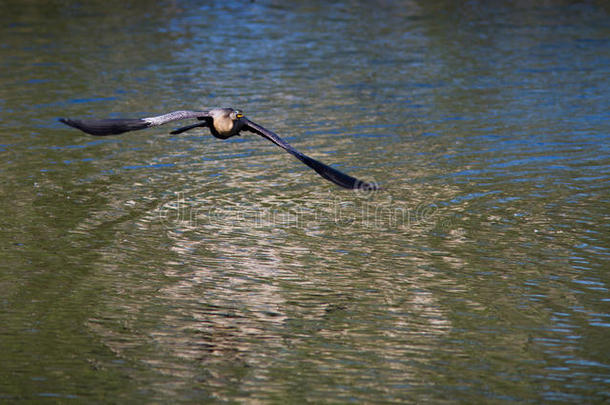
236	114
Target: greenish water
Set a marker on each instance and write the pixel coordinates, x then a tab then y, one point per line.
156	268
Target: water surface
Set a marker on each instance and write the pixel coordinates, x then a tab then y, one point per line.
158	268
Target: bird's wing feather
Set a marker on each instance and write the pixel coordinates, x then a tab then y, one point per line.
119	125
323	170
206	123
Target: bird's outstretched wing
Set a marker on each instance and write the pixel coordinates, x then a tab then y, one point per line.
323	170
120	125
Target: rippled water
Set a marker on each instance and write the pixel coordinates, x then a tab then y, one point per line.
158	268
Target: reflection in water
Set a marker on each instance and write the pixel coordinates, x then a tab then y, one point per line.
235	303
181	268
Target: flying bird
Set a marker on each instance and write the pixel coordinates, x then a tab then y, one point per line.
223	123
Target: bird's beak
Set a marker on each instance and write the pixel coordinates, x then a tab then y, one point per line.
239	115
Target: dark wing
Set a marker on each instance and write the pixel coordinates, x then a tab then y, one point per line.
206	123
323	170
120	125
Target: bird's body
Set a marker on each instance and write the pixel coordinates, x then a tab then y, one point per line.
226	122
223	123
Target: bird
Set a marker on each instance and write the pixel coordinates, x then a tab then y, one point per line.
223	123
